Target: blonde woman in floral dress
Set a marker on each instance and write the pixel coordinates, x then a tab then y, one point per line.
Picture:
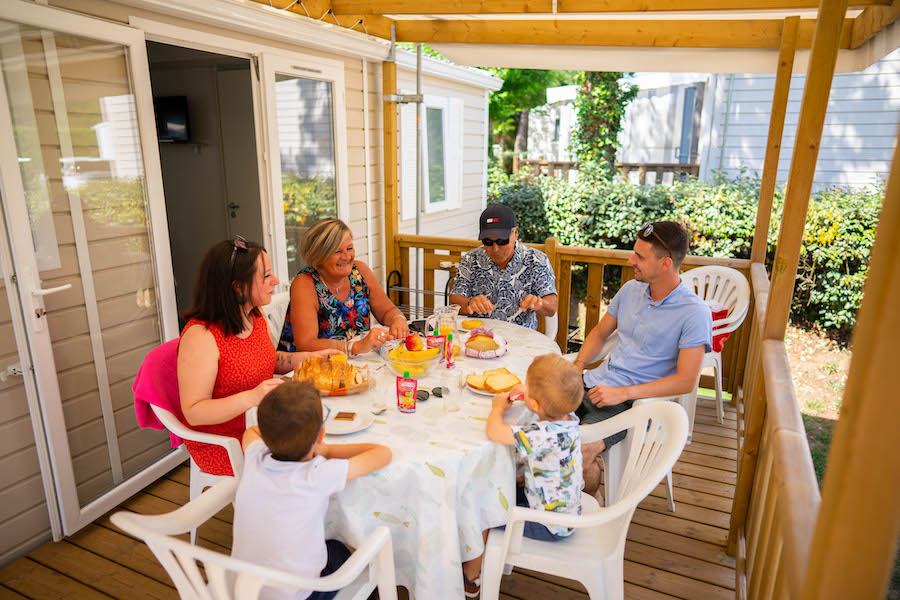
334	298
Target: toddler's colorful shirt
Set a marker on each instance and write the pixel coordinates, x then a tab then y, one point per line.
551	451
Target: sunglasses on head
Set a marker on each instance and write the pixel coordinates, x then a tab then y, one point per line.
646	231
489	242
238	242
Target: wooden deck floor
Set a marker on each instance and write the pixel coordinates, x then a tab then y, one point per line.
668	555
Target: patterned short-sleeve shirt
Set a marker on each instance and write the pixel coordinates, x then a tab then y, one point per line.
551	451
528	272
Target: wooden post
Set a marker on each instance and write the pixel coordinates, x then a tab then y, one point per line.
391	205
776	131
565	292
594	296
823	56
515	165
856	532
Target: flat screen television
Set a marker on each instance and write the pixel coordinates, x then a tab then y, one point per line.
172	118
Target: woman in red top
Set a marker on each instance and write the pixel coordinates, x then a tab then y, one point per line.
226	360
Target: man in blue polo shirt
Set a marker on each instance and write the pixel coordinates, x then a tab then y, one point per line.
664	330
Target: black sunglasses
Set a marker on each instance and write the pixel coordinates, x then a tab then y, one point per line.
489	242
239	242
646	231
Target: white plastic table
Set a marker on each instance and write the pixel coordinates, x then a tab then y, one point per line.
446	482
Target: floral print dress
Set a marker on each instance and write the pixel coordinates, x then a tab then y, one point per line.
337	320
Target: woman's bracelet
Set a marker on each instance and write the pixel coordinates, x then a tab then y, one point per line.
400	316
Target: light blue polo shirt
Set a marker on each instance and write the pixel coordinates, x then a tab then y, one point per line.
651	334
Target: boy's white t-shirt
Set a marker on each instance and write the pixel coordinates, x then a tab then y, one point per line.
279	514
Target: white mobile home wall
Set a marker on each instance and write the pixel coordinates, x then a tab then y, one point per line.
857	142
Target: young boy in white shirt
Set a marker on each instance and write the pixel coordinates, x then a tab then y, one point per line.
548	448
289	475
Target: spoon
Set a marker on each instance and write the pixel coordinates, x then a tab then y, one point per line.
377	410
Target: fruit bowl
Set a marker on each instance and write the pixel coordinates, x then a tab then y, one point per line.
417	362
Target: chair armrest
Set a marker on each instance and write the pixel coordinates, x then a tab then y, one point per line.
605	349
232	446
358	561
184	519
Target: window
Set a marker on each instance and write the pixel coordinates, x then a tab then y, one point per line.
434	149
442	155
306	107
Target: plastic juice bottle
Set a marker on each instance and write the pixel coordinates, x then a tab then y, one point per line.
448	352
406	393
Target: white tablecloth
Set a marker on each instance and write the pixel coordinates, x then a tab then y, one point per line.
446	482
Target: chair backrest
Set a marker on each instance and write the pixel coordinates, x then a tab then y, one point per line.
229	578
231	445
551	325
726	286
655	436
275	311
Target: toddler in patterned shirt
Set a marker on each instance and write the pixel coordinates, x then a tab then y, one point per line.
549	447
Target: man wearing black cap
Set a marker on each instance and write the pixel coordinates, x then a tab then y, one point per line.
504	279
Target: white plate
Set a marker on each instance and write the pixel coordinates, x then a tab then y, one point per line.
479	392
362	420
501	341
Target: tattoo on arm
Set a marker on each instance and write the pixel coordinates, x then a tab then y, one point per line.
282	360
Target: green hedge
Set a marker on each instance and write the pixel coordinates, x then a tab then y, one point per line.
596	212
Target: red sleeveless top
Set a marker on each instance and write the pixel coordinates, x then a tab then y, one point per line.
243	364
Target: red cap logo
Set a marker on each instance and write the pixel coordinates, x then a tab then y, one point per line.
493	220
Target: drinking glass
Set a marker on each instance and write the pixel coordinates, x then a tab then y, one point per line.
385	392
450	389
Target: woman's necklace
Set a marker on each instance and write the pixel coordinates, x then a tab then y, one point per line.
336	289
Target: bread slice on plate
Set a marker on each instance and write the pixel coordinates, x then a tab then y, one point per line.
500	371
501	382
476	381
481	342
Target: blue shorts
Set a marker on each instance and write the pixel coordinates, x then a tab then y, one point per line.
534	531
337	556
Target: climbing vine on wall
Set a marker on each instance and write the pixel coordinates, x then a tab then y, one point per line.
600	104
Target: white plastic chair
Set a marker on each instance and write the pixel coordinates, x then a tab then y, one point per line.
613	457
729	288
200	480
594	553
275	312
551	326
228	578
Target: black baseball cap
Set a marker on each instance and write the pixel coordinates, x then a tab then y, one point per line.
496	221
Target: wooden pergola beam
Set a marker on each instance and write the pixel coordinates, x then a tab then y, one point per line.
776	132
391	160
822	60
463	7
852	551
871	21
687	34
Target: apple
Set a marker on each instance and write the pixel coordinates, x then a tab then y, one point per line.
414	342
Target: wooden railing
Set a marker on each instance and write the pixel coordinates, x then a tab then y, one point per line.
777	496
560	168
562	258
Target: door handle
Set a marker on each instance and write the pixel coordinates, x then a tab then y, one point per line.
40	311
53	290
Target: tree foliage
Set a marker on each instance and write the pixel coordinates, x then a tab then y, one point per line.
522	89
600	104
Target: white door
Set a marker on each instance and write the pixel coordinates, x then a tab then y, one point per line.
307	143
85	221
